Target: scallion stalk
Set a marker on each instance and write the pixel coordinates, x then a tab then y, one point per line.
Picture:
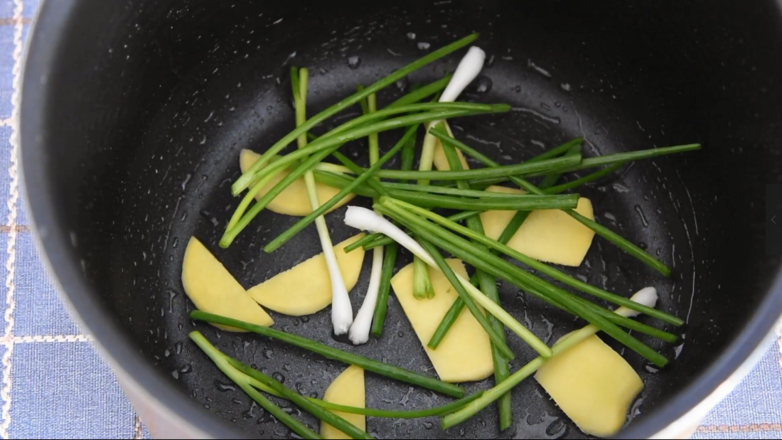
244	181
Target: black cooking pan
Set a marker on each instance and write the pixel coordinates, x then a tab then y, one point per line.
134	114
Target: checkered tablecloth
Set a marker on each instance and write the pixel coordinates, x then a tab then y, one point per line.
54	385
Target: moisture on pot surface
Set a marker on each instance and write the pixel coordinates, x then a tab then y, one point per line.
446	219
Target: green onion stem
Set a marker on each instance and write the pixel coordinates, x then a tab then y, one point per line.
437	411
305	221
302	402
318	150
244	181
376	367
537	265
484	260
488	285
377	239
422	282
517	202
385	286
610	159
583	180
242	381
526	168
602	231
516	378
495	336
550	179
259	381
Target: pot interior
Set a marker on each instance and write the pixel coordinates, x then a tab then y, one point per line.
147	104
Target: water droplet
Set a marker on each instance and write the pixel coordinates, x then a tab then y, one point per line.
482	84
175	243
642	216
354	62
609	216
658	252
490	62
411	35
187	179
268	354
651	369
235	401
278	377
314	395
305	319
643	245
167	353
178	348
175	374
224	387
402	84
428	425
207	406
210	217
423	45
186	369
565	87
401	334
184	216
557	104
618	187
286	367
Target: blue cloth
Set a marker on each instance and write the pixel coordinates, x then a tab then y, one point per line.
53	383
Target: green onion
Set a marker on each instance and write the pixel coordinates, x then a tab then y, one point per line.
550	179
439	189
602	231
488	285
418	94
516	202
305	221
319	150
376	239
244	181
495	337
527	168
536	265
484	260
611	159
422	282
368	220
302	402
376	367
260	381
385	286
449	318
528	370
242	381
438	411
586	179
510	230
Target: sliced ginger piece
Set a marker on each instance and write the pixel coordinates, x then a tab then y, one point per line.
348	390
548	235
214	290
464	355
441	160
293	200
593	385
306	288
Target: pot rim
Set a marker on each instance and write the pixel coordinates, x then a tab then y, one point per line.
137	372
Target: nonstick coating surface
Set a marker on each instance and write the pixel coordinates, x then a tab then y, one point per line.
163	97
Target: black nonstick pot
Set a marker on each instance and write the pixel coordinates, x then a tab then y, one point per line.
134	113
